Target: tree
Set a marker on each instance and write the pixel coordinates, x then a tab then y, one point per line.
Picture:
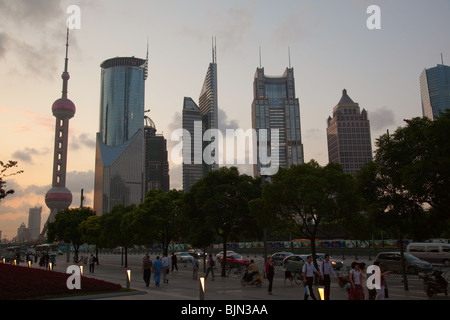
66	227
221	201
160	218
90	231
4	167
309	195
114	231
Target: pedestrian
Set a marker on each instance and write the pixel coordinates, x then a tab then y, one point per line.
174	261
165	267
308	272
287	272
210	267
326	269
270	272
91	264
147	266
157	267
355	281
195	267
381	293
365	290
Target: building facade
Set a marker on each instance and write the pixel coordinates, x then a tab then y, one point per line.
348	135
120	149
435	90
275	106
192	152
34	222
156	159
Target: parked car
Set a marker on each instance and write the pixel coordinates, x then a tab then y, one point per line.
278	257
236	260
220	254
392	262
183	257
335	263
296	262
431	252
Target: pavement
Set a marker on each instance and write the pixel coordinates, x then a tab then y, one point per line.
182	287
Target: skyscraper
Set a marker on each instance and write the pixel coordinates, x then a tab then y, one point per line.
59	198
120	151
435	90
34	222
275	106
192	151
156	161
348	135
208	104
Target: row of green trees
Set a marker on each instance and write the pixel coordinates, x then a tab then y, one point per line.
404	192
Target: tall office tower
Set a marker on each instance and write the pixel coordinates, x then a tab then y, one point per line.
435	90
192	151
34	222
208	104
156	161
120	153
348	135
275	106
59	198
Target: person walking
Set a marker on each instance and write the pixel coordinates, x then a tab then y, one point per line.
287	272
365	290
308	272
355	281
91	264
174	261
157	267
165	267
210	267
270	272
326	269
381	293
195	267
147	266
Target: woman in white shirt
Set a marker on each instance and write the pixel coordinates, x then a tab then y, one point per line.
355	280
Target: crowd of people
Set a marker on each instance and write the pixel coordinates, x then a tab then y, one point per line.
357	279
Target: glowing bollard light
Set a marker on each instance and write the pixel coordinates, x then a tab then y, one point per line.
128	279
81	270
15	262
50	266
321	293
4	261
202	288
29	264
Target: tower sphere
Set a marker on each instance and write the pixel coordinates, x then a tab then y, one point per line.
58	198
63	108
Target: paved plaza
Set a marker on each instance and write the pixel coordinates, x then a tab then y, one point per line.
181	286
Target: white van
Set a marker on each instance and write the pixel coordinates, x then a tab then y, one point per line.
431	252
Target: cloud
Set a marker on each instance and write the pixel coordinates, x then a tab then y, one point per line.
26	154
381	118
82	140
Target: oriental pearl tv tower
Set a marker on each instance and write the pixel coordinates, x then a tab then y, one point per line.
59	198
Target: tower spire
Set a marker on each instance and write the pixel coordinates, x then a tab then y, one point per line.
65	76
214	50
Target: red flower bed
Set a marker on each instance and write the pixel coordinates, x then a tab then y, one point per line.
17	283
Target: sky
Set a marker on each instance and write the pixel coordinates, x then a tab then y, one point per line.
330	46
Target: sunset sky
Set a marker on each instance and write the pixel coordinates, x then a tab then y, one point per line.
331	49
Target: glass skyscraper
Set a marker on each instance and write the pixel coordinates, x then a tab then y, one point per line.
348	135
120	152
435	91
275	106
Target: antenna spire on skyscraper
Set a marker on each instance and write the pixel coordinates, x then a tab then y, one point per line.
214	50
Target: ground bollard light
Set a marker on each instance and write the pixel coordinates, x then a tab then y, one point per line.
202	288
321	293
128	279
